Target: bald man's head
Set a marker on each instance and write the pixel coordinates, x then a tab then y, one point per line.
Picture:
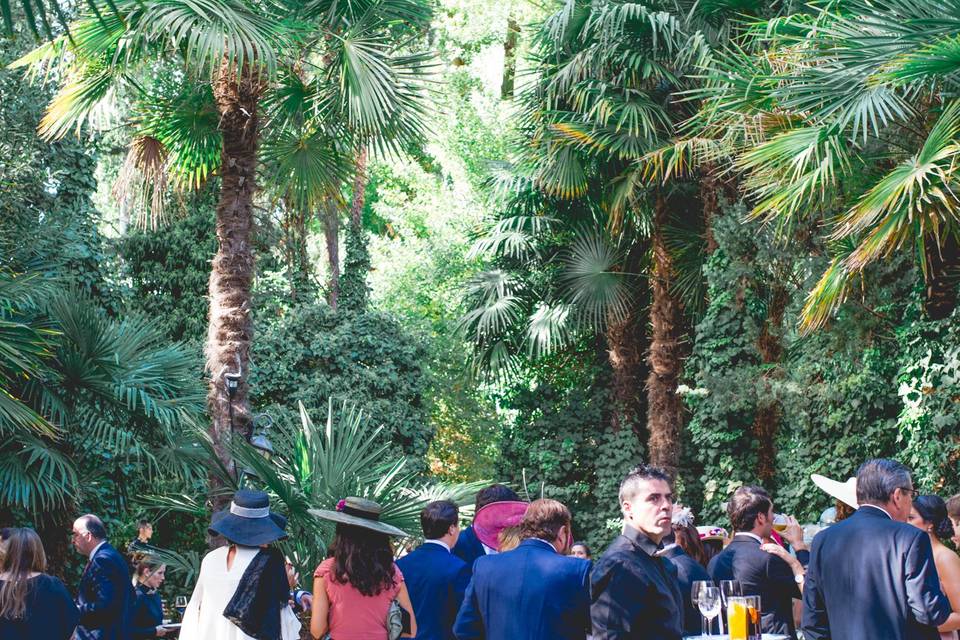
88	532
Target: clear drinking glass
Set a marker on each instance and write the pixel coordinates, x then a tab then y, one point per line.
709	603
737	618
728	589
780	522
754	631
180	604
695	589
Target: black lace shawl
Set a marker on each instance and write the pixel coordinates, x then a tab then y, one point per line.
261	595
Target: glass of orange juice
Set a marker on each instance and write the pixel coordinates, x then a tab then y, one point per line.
738	618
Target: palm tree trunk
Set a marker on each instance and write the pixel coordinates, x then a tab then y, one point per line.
942	275
664	408
625	346
766	420
509	59
230	330
359	190
331	231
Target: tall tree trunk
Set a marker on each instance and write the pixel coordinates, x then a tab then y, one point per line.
710	201
664	408
766	420
230	330
942	276
295	249
359	190
626	341
331	231
510	59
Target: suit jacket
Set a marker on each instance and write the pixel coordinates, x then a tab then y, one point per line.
872	577
760	574
469	547
436	580
105	597
635	593
688	572
529	593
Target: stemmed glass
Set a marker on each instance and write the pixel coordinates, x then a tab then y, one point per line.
180	604
695	590
708	602
728	589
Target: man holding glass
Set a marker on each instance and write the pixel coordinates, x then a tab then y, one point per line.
762	570
635	593
872	575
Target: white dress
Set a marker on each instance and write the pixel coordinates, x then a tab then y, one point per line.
203	618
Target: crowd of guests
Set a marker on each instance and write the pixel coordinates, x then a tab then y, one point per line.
881	570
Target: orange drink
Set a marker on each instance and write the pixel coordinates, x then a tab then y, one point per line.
738	618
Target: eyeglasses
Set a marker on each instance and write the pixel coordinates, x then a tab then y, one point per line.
913	493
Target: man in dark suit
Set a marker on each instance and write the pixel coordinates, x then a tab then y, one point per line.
469	547
105	596
635	591
534	592
872	575
777	579
435	578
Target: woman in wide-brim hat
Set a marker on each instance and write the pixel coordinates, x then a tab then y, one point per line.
241	591
845	494
353	590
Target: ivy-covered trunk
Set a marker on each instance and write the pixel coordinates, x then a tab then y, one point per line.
664	408
331	232
766	421
230	329
510	59
942	275
354	291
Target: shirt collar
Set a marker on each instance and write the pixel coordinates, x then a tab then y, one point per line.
873	506
750	535
488	550
641	540
439	543
97	548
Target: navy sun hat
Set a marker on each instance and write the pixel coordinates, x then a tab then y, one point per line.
248	520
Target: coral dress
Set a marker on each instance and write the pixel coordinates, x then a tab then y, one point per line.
203	618
354	616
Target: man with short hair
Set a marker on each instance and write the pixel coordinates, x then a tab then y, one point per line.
435	578
872	575
533	592
635	592
953	511
469	547
105	596
141	544
777	579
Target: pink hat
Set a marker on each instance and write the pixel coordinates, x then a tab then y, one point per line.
493	518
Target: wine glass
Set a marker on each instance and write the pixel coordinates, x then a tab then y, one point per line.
180	604
709	604
728	589
695	589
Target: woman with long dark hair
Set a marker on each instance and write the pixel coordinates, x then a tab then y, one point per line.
930	514
354	591
32	604
684	549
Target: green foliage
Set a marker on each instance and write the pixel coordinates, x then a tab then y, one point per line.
310	353
166	268
354	290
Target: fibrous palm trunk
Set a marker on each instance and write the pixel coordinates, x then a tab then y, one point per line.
359	190
625	347
664	408
510	59
230	330
942	275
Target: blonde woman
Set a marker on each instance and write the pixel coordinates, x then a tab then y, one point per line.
32	604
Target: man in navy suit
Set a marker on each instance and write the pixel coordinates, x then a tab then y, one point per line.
435	578
872	575
777	579
534	592
105	597
469	547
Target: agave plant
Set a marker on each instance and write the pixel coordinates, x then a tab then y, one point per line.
314	467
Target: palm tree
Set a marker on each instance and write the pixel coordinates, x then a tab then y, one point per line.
231	53
845	116
608	71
